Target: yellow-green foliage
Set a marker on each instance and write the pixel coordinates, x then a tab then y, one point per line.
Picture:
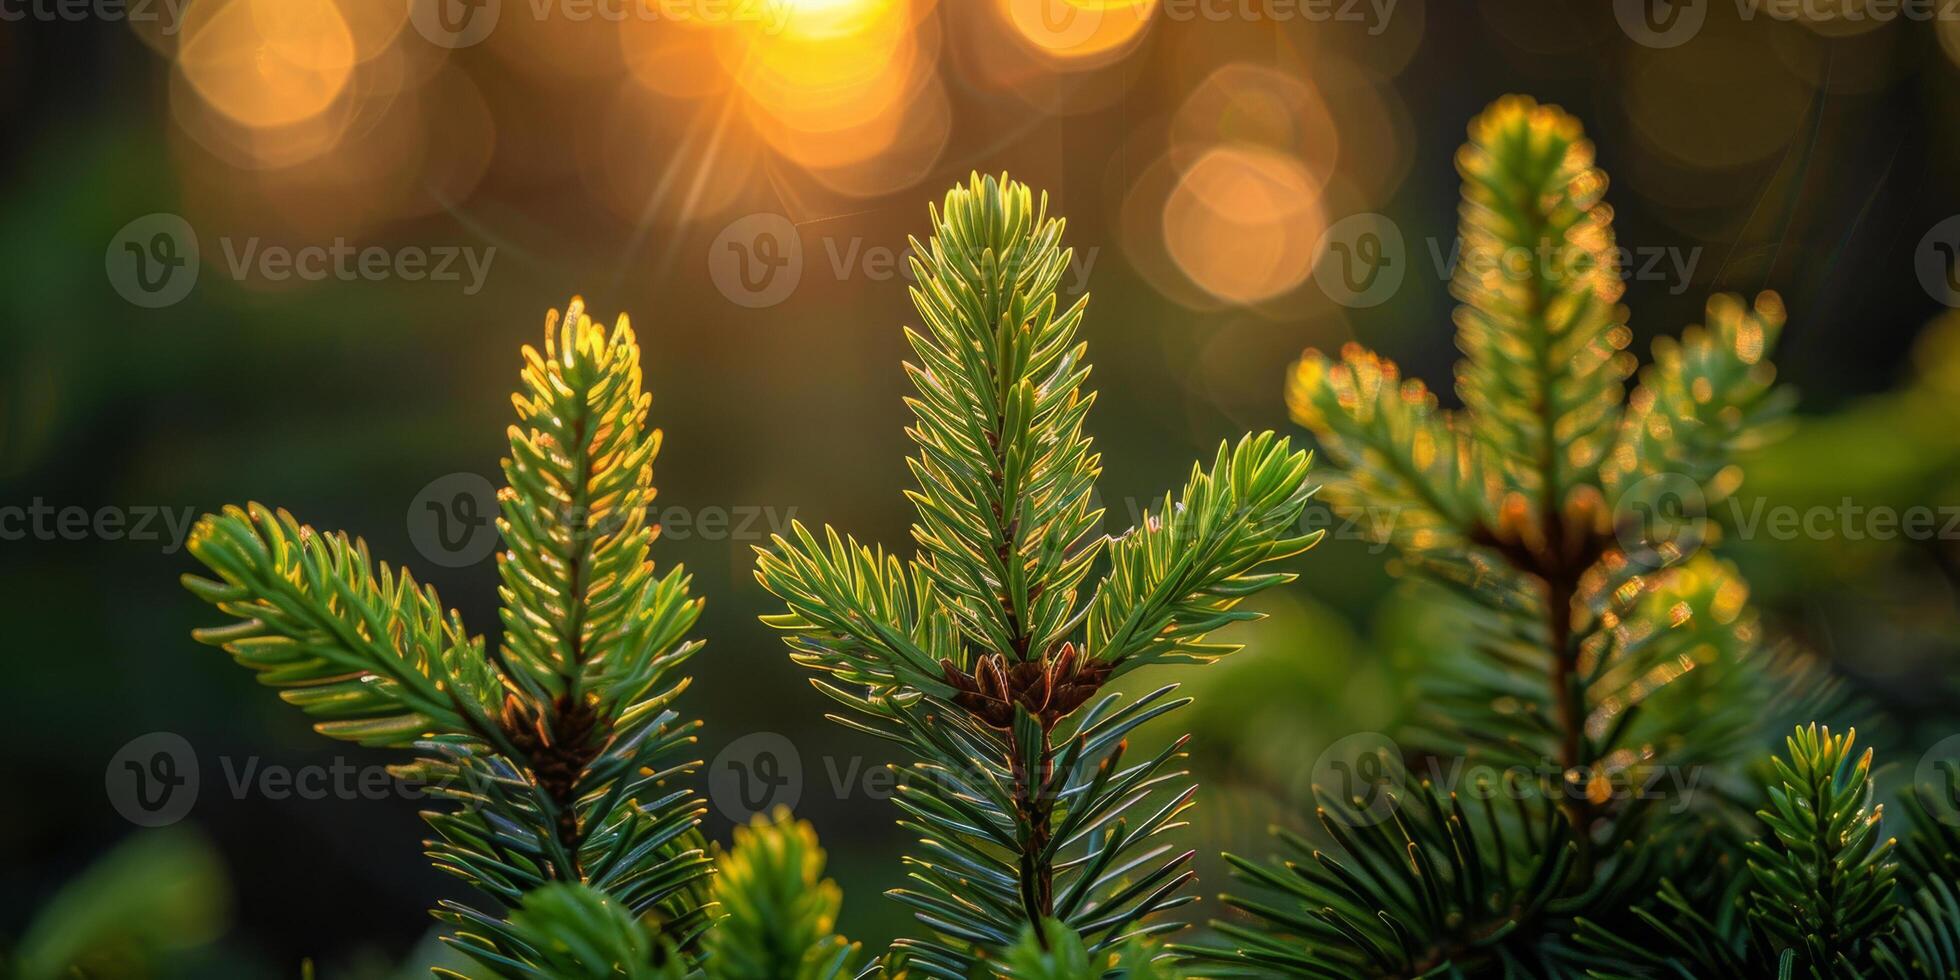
778	911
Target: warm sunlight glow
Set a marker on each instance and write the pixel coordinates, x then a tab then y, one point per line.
1090	32
267	62
819	19
1242	223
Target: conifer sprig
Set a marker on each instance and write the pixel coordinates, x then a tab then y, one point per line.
1824	876
1539	324
1506	501
563	752
1603	642
780	911
1824	894
1441	882
982	655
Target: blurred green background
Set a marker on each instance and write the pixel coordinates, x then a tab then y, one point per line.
1198	161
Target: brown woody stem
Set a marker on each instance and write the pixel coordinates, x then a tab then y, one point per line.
1033	810
1568	699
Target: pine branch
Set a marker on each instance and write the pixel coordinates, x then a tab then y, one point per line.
369	651
560	753
981	656
778	911
1581	652
1408	472
1704	399
859	615
567	932
1931	852
1824	883
1504	502
1818	899
1004	473
1540	326
1055	952
1421	885
1925	940
1180	575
